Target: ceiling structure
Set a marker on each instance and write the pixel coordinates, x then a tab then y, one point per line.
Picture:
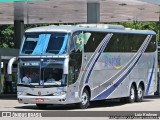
75	11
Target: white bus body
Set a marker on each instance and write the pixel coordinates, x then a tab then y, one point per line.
79	64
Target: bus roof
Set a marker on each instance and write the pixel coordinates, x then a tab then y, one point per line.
69	29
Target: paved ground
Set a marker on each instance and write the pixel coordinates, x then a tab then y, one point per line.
149	104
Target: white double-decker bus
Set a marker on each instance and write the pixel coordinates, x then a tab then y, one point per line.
84	63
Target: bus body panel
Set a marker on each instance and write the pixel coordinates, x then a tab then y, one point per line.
104	72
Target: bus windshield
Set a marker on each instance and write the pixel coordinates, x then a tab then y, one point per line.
29	75
52	74
42	43
44	74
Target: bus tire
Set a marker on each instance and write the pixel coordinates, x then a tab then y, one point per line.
41	106
84	100
140	94
132	95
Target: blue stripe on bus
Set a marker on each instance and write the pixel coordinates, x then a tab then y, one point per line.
42	44
101	51
62	50
107	92
150	79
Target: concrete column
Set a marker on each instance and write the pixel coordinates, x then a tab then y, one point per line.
18	23
2	76
93	11
18	32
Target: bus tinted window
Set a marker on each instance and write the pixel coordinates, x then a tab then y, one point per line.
94	41
42	43
125	43
120	42
55	44
30	43
152	45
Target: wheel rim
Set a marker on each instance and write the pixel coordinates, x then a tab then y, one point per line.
140	92
132	94
84	98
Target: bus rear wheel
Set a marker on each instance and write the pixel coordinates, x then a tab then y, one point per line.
84	100
140	94
41	106
132	95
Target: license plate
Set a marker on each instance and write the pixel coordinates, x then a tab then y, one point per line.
39	100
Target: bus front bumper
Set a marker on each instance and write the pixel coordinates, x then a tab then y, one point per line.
43	99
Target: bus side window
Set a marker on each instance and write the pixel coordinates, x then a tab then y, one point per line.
152	45
75	57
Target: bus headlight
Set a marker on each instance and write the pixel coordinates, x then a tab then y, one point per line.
21	93
59	93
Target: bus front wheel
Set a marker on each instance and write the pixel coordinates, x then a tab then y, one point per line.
84	100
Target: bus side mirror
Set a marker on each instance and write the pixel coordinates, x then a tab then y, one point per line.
66	62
